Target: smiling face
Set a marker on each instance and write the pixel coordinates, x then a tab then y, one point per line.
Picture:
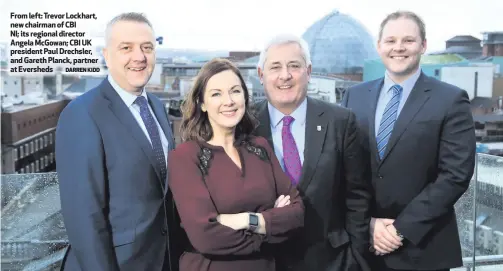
285	76
130	54
224	101
400	48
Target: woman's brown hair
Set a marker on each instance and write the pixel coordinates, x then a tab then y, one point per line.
195	124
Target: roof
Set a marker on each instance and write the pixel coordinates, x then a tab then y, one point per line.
442	59
339	44
484	58
21	107
483	102
463	38
252	60
463	49
85	84
488	118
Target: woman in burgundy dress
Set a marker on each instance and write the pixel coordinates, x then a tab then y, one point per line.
234	200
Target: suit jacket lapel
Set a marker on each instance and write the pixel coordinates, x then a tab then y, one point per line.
264	127
122	112
316	129
417	97
374	92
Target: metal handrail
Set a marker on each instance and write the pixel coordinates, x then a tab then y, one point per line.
483	260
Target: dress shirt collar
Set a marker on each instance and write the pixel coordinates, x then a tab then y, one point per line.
299	114
126	96
406	85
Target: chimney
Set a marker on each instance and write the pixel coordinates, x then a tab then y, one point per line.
476	86
499	106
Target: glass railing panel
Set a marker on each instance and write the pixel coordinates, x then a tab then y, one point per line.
33	232
488	218
34	237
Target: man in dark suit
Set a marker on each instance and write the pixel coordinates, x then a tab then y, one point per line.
318	146
111	150
421	140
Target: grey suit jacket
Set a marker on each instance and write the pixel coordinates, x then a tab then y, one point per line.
115	207
335	188
427	166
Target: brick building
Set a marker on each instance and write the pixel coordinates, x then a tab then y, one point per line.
28	136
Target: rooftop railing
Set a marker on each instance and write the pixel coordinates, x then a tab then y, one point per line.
33	234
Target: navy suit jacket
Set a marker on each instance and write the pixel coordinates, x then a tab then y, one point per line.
115	206
427	166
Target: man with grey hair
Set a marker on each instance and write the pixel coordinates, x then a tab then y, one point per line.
318	146
112	144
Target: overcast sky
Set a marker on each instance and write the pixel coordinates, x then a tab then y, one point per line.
246	25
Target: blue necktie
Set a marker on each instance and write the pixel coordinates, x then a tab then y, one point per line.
153	133
388	120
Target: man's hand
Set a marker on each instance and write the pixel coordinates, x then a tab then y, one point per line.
282	201
383	236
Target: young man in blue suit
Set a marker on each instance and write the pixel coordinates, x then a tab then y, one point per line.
111	150
421	139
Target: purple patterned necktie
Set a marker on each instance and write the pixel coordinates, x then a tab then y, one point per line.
291	157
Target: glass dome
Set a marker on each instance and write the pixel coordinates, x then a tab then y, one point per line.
339	44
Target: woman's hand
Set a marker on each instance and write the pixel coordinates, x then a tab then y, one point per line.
234	221
241	221
282	201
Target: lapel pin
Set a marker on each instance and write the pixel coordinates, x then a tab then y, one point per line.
318	128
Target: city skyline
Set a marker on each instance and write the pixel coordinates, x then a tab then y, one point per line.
229	27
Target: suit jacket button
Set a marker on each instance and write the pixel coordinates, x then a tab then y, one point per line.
379	176
164	231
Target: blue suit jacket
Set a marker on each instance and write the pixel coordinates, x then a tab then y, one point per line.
115	206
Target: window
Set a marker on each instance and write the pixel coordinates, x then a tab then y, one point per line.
36	144
46	160
41	142
27	149
45	141
32	150
27	169
14	153
37	166
50	139
32	167
52	157
21	152
21	171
